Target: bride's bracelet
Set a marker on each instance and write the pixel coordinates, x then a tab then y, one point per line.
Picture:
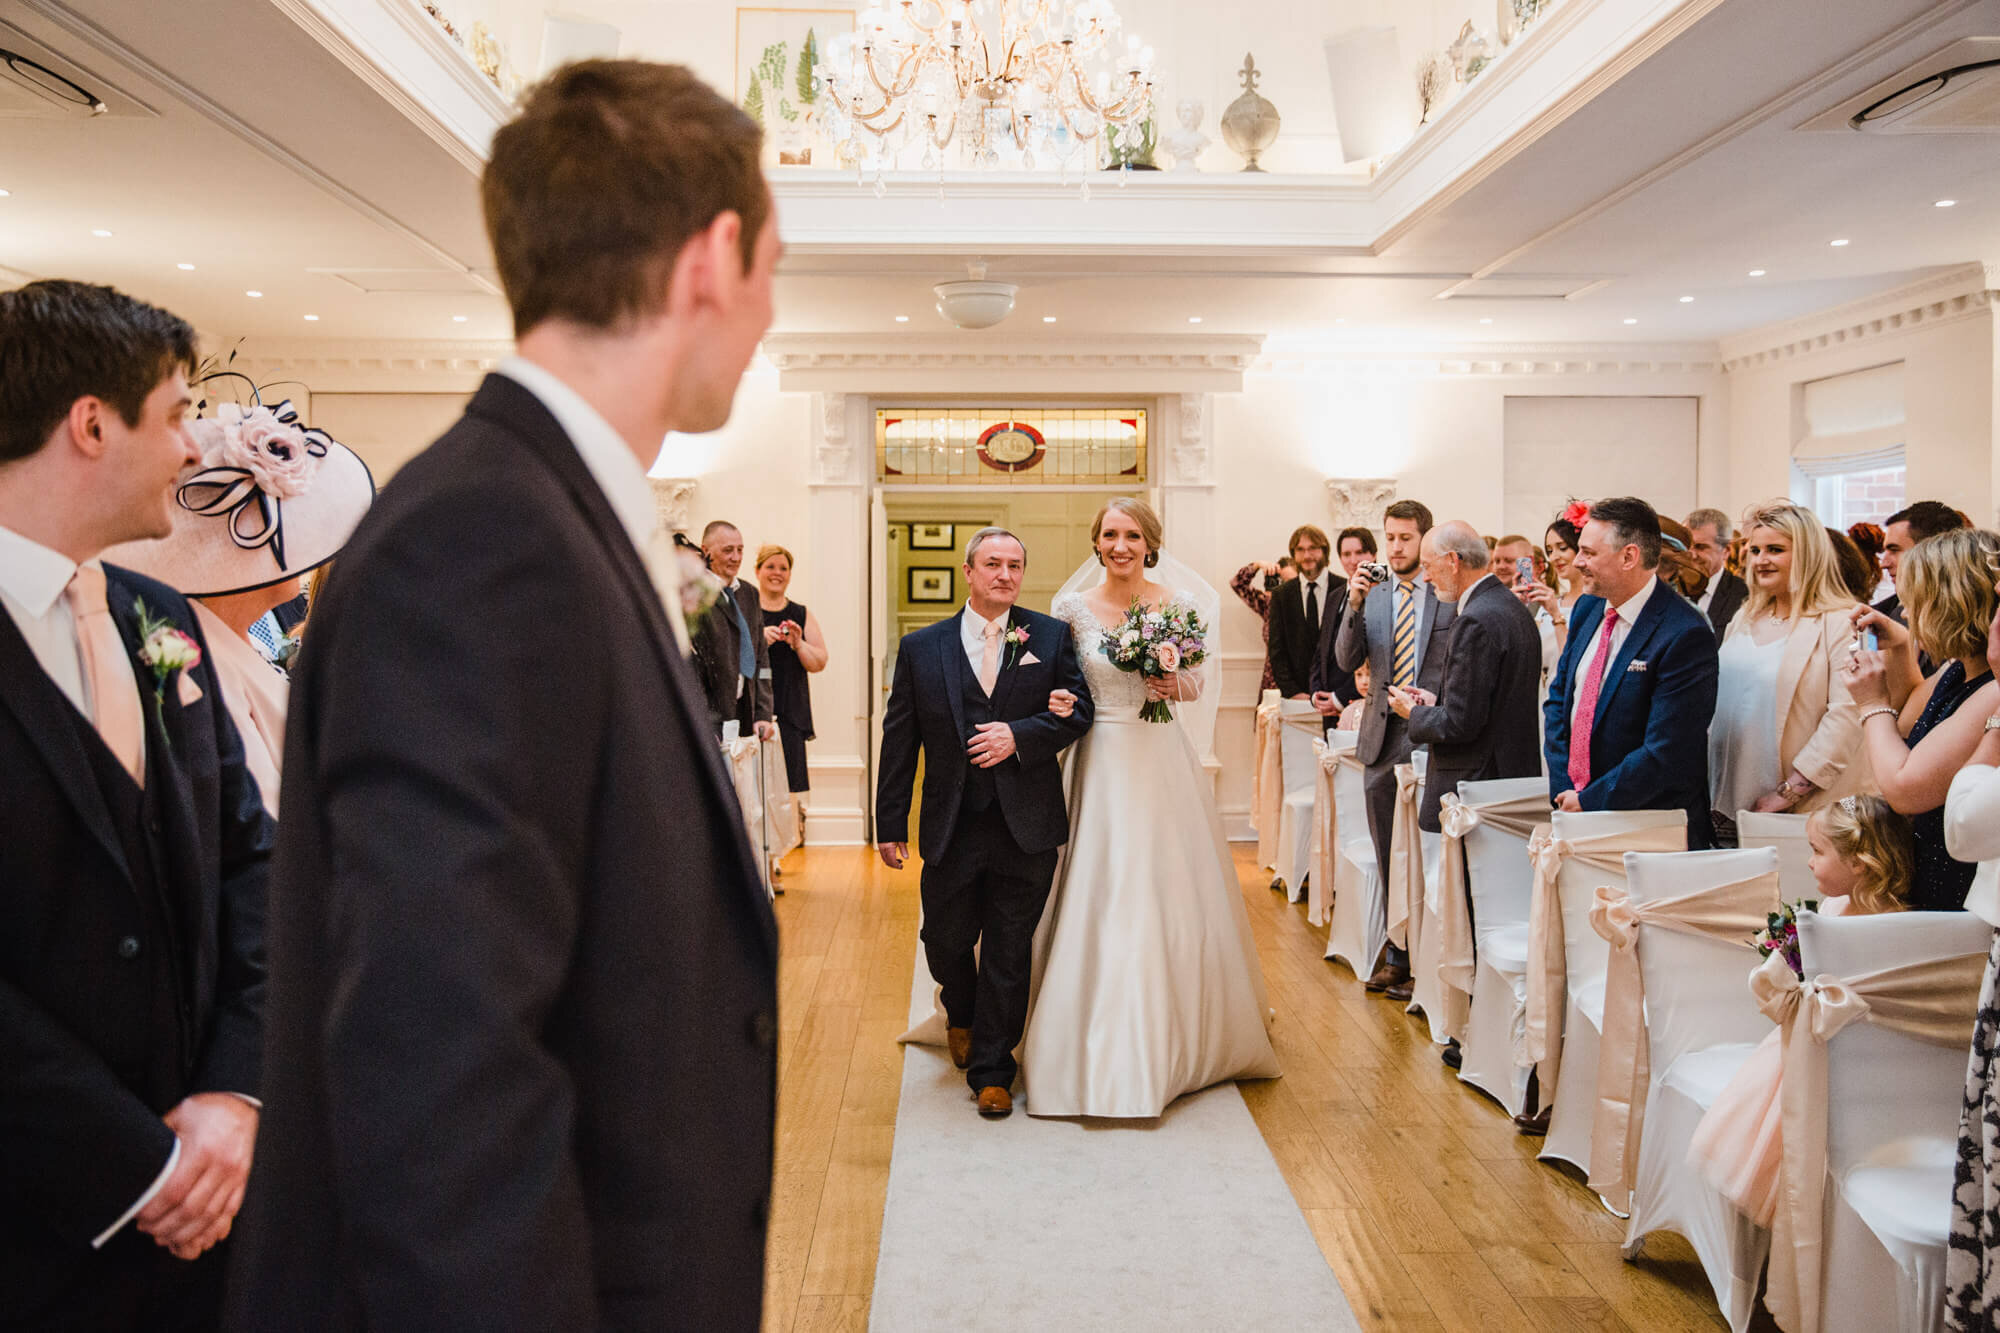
1880	708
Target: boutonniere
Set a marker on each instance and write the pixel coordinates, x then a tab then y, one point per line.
1016	639
1637	666
163	650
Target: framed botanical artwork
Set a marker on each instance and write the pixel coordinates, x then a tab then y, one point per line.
932	536
777	54
933	584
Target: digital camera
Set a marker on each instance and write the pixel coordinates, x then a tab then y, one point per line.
1374	571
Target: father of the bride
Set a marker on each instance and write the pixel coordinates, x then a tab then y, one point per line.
971	694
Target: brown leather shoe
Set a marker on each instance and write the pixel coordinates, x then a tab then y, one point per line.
1386	976
960	1041
996	1103
1402	992
1534	1125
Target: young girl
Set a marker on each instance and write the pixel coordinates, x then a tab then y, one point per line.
1350	716
1862	862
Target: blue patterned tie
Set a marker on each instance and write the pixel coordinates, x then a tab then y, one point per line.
1403	662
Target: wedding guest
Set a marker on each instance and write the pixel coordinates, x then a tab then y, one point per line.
734	660
1786	736
1917	730
1480	723
1861	865
1353	548
133	844
1712	534
1628	710
1972	833
1537	592
1901	532
522	1066
1858	574
1560	543
1245	583
1868	539
1679	569
318	490
1298	610
797	650
1398	629
1350	716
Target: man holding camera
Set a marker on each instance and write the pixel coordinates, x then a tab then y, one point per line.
1395	623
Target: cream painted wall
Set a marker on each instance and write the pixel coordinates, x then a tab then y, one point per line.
386	429
1951	411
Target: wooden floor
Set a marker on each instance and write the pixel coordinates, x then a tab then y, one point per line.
1430	1209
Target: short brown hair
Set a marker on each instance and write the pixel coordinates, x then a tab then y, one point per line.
1362	535
61	341
1411	511
1307	532
765	552
594	189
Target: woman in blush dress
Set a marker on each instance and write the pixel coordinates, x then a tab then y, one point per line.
1146	980
1862	863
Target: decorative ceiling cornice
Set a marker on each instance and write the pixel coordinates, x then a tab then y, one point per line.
1508	359
1965	292
798	351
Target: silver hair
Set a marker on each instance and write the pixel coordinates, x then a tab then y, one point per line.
1724	528
1462	540
980	538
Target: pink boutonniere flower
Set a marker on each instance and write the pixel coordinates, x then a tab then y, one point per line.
163	650
1016	638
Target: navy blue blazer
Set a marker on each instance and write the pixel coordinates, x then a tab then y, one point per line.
1649	742
926	712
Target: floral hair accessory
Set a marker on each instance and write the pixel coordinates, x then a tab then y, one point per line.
1576	513
1849	806
253	460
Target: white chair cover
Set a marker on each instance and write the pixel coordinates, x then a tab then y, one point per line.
1887	1017
1360	926
1413	892
774	828
1701	1024
1299	731
1486	828
1584	852
1787	833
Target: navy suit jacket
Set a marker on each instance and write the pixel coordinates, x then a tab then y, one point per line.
1649	742
926	712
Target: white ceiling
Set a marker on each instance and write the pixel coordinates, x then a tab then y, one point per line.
269	165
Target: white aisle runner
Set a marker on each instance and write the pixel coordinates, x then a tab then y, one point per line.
1178	1223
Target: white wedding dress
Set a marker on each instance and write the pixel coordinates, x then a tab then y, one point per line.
1146	983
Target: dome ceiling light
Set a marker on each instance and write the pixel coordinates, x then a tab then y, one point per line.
975	303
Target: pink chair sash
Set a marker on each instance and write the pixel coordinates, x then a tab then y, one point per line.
1326	835
1935	1001
1456	954
1267	795
1406	863
1729	913
1548	973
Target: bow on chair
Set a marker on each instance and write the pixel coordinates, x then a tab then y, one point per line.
254	518
1457	962
1548	976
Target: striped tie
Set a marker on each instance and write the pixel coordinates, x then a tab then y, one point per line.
1403	669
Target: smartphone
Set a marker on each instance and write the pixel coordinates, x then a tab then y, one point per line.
1524	570
1871	640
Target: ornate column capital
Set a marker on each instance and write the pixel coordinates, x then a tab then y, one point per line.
833	452
1358	502
1191	452
673	496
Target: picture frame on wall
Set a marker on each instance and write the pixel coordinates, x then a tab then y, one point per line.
933	584
777	56
932	536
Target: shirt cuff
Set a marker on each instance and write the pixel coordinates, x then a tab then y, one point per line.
244	1097
173	1160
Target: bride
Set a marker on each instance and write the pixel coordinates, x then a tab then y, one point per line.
1146	981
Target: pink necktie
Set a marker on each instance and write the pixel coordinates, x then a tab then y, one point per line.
989	661
112	698
1586	704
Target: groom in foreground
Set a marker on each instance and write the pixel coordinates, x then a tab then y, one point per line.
522	1056
971	694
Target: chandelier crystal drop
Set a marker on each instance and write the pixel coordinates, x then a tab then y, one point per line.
1035	80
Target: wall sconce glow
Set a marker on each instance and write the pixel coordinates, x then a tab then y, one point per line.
1373	438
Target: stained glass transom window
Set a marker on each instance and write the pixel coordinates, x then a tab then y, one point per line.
1039	446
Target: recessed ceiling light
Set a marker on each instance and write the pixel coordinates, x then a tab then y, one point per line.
312	317
1631	321
1842	241
458	319
1048	319
3	194
1686	299
1194	319
185	268
253	295
1487	320
1756	272
902	319
1341	320
1942	203
99	232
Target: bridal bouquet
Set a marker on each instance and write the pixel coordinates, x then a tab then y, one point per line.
1157	643
1781	933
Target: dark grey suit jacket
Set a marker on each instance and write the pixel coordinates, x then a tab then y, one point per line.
522	1055
1484	724
1730	594
1370	637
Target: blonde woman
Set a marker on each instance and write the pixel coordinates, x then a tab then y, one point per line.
1786	734
1917	731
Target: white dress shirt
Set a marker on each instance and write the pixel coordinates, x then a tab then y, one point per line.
32	581
1628	615
611	463
1322	581
972	633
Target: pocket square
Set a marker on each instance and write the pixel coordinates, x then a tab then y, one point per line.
1636	666
190	690
1028	659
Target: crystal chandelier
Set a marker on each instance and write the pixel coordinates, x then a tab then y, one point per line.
1018	75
